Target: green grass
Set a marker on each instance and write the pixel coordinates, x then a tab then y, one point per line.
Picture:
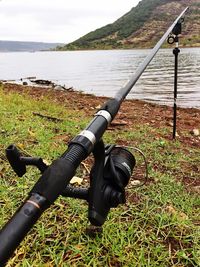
158	226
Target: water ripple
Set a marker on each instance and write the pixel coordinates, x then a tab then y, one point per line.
105	72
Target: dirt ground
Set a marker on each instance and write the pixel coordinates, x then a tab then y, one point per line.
132	112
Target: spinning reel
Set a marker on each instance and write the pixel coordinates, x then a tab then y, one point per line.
110	174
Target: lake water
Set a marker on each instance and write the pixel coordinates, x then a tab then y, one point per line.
104	72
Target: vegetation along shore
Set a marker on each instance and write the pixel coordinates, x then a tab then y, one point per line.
160	223
143	26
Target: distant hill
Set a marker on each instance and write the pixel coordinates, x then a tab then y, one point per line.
143	26
6	46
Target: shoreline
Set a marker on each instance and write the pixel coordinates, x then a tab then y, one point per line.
94	49
127	48
12	85
134	112
48	84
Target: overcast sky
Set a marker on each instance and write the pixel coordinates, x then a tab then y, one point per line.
57	20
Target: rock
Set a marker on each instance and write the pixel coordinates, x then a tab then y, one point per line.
98	107
43	82
195	132
25	83
170	124
196	189
58	87
135	182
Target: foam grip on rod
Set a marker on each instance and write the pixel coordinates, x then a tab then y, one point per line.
19	225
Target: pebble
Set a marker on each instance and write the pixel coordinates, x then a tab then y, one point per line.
58	87
195	132
196	189
170	124
177	135
135	182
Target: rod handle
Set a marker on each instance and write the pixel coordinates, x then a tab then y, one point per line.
19	225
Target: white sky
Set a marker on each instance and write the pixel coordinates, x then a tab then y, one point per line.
57	20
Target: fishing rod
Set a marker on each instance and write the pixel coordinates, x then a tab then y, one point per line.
110	174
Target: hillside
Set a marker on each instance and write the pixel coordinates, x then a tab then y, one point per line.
6	46
142	26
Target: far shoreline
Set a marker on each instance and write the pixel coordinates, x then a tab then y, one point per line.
94	49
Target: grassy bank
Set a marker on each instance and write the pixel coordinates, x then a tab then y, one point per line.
160	223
